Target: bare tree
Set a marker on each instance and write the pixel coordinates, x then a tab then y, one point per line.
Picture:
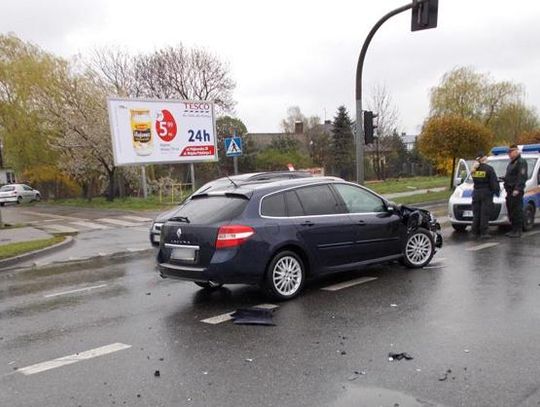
168	73
381	104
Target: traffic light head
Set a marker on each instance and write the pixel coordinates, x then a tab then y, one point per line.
424	14
369	127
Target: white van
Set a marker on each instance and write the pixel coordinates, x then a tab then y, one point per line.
460	203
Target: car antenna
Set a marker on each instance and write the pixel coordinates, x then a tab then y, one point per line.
234	183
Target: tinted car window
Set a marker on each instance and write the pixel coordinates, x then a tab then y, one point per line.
358	200
273	205
317	200
294	207
205	209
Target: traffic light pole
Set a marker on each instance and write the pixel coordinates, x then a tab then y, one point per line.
359	122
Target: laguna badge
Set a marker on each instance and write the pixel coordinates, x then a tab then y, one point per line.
179	233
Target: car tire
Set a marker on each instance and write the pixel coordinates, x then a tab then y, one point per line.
19	200
208	286
2	203
37	198
285	276
528	217
419	249
459	228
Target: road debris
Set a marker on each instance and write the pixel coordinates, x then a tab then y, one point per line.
398	356
249	360
444	376
253	316
356	374
157	373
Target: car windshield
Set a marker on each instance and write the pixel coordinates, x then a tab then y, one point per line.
500	167
6	188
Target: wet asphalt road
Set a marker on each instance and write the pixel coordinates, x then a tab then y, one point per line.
473	317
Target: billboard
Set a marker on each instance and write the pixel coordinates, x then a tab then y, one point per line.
146	131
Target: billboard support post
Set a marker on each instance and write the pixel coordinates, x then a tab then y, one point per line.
192	172
143	182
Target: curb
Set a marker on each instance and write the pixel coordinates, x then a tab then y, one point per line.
36	253
98	260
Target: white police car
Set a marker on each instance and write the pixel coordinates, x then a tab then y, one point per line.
460	203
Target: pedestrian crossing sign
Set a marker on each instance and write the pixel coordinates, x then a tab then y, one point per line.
233	146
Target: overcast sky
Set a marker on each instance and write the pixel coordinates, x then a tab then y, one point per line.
295	52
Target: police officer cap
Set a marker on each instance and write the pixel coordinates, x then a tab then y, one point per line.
479	155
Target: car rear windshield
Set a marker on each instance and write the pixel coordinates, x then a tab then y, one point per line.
7	188
208	209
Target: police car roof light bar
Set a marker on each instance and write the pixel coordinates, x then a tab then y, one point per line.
499	150
531	148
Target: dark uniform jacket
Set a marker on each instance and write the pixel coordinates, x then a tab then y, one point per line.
516	175
484	178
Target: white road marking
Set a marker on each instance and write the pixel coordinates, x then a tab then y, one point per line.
136	218
50	215
142	229
60	228
482	246
77	357
347	284
227	317
434	266
527	234
75	291
90	225
118	222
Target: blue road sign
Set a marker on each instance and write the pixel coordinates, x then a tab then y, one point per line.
233	146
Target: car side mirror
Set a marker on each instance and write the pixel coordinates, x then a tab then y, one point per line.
458	181
392	207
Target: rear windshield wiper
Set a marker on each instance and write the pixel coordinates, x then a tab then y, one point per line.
180	219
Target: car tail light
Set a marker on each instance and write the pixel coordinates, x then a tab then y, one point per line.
233	235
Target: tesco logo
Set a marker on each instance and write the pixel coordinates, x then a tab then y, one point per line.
197	106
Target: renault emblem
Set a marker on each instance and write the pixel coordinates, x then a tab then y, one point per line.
179	233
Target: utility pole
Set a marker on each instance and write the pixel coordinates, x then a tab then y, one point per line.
424	16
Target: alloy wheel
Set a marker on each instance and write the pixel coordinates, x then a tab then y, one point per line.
287	276
418	249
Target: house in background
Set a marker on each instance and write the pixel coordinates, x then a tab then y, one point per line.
7	175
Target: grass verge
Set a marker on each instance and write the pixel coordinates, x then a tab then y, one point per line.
130	203
423	198
16	249
391	186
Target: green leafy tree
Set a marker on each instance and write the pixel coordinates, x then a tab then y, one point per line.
468	94
342	147
274	160
226	126
443	139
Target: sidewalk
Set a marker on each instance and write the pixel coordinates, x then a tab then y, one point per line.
24	234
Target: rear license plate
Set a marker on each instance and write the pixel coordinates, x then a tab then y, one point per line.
183	253
467	214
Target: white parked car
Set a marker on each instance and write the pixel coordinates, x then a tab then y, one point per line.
460	204
18	193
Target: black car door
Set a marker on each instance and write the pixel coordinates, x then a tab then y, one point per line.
379	232
324	227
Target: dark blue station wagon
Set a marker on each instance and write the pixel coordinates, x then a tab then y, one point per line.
279	233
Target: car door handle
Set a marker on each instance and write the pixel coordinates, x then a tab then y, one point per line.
307	223
361	223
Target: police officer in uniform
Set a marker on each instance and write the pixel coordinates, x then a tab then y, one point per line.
485	186
514	185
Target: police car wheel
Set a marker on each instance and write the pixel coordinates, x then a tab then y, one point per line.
419	249
528	217
458	227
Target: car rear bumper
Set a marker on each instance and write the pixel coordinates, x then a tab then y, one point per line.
8	199
227	266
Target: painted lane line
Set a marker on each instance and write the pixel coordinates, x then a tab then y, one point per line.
75	291
50	215
347	284
90	225
227	317
68	360
118	222
527	234
60	228
142	229
482	246
136	218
